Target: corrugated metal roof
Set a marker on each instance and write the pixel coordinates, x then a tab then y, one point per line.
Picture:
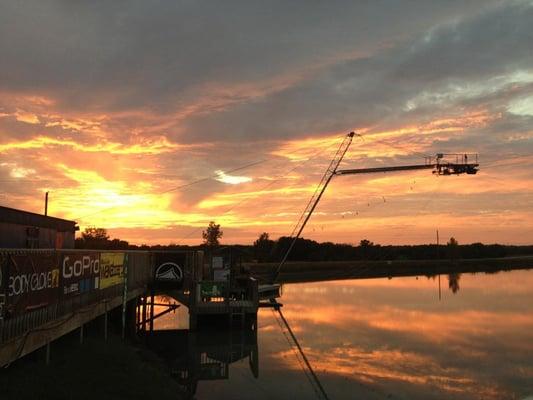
20	217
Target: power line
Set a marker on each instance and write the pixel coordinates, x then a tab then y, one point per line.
195	182
214	176
207	178
267	186
397	147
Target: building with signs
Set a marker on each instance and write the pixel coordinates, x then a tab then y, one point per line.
22	229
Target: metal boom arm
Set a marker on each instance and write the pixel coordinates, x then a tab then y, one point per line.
440	164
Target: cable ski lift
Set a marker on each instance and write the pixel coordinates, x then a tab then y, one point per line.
442	164
464	163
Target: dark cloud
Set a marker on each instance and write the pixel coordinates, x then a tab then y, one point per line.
456	60
124	55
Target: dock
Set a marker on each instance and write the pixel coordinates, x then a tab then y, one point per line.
45	294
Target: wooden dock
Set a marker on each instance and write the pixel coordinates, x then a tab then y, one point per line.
45	294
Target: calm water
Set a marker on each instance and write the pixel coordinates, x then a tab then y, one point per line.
376	339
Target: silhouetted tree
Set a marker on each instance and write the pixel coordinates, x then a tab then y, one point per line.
366	243
98	239
453	249
93	238
94	233
212	235
117	244
366	246
263	247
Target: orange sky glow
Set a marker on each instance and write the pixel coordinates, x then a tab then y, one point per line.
117	143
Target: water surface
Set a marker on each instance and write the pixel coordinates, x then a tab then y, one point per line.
377	339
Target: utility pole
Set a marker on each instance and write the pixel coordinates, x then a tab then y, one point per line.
437	259
438	256
46	203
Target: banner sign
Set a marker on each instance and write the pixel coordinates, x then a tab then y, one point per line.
80	273
213	289
111	269
30	282
170	268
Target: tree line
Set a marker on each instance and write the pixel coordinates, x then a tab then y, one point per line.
265	249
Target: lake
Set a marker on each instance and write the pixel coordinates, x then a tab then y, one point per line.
371	339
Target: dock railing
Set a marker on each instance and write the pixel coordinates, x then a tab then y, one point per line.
38	287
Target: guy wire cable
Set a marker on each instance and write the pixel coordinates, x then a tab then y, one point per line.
274	181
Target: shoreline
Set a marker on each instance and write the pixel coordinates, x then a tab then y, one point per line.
311	271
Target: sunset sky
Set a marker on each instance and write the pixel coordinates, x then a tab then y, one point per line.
116	107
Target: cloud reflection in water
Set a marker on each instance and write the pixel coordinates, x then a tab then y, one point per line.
395	338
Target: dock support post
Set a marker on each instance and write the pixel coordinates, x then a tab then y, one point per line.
105	322
193	301
193	321
152	300
143	318
137	313
47	357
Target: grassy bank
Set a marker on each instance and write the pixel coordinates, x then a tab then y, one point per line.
317	271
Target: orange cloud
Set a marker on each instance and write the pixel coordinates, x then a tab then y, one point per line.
269	197
153	146
382	332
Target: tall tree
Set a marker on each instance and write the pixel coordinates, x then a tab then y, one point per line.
94	233
93	238
366	243
366	248
263	247
453	249
212	235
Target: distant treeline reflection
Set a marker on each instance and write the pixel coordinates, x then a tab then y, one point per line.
266	250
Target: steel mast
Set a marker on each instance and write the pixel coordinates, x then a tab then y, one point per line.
317	195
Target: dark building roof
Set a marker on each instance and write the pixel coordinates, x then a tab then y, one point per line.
20	217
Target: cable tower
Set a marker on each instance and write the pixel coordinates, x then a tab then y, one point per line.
441	164
317	195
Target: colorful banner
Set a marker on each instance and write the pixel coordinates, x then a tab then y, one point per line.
213	289
111	269
80	273
30	282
